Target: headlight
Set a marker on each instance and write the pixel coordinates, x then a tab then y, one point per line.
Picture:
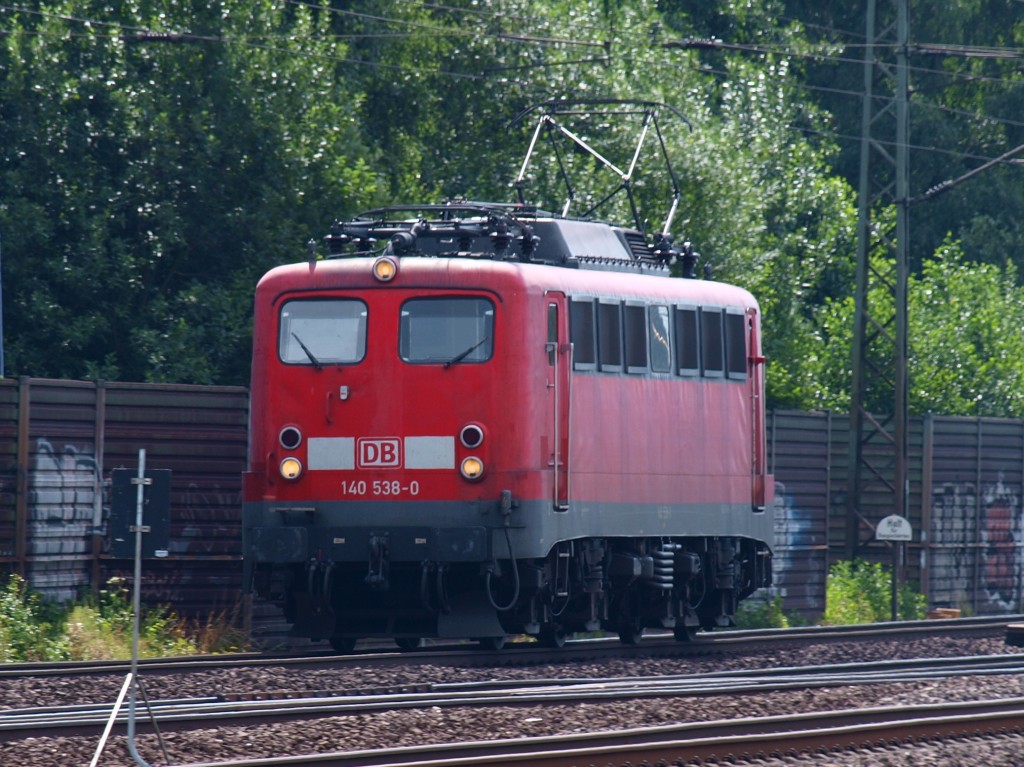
471	435
291	468
472	467
290	438
385	269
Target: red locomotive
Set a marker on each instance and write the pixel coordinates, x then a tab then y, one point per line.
504	422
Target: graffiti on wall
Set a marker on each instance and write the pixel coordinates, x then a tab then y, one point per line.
210	522
67	496
976	547
62	496
62	484
798	564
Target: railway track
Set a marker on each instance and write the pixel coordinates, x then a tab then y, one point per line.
531	653
736	741
272	707
288	705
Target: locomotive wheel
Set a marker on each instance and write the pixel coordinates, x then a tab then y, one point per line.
491	643
344	645
631	633
684	633
405	644
552	637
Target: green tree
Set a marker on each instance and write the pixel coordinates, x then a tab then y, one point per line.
758	198
966	351
967	90
155	159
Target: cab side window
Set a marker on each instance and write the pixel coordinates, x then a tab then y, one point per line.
583	334
659	335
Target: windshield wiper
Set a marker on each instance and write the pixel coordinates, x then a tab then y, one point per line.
462	355
316	363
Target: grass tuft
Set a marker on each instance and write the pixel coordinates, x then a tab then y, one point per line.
758	614
100	628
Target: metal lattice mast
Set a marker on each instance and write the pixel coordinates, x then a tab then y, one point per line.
878	441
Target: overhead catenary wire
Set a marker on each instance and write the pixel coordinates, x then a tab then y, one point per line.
947	185
444	30
784	49
856	138
139	34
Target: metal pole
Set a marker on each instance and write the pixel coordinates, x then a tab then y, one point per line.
2	369
880	345
857	404
140	483
901	404
897	550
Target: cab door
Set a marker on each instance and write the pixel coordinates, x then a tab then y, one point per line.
558	351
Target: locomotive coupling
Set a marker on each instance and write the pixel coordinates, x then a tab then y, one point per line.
379	563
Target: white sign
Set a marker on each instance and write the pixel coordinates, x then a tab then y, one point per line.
894	528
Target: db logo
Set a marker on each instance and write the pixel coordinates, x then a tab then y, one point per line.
379	453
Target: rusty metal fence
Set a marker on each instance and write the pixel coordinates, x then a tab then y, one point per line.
60	440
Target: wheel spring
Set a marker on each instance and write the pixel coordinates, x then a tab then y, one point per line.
664	566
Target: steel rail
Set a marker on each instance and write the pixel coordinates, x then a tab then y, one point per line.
181	714
662	645
736	740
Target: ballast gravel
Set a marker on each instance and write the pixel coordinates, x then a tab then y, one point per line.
414	727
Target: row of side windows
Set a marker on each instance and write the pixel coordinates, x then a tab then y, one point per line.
636	337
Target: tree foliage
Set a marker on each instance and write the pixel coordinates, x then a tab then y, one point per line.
967	89
966	353
157	157
155	160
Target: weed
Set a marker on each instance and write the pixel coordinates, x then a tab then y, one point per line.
861	592
25	635
758	614
100	628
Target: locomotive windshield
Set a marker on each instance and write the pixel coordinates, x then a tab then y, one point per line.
448	330
322	332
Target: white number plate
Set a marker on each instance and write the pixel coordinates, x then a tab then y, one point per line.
380	488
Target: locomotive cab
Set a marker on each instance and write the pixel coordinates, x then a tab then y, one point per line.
376	454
